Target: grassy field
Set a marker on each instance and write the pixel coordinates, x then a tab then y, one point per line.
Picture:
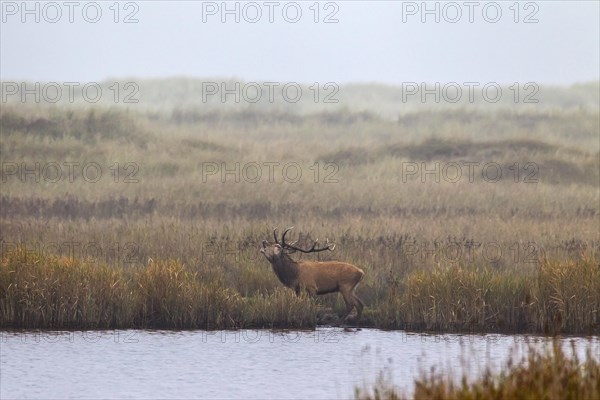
462	218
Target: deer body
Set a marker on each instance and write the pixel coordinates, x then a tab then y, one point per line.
314	276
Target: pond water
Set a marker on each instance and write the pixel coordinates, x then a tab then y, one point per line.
321	364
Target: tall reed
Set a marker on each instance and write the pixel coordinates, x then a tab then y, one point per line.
54	292
557	298
48	292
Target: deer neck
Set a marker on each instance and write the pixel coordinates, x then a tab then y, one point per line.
286	270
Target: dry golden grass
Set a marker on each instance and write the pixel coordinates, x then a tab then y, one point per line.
557	297
38	291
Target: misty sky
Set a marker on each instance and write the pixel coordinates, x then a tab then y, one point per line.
371	42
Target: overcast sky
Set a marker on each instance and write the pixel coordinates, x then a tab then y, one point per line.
371	41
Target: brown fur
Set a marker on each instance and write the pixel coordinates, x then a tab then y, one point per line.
316	277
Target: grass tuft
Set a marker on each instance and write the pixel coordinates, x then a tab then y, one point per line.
550	374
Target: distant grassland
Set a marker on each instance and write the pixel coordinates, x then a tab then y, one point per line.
184	96
438	253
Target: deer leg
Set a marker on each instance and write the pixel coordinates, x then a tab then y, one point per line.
359	306
348	299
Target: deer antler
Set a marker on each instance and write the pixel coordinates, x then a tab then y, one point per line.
283	243
313	249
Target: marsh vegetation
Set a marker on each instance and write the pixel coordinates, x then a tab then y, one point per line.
463	219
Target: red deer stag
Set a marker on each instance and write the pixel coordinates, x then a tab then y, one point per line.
316	277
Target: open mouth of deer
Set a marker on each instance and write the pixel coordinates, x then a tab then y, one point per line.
264	245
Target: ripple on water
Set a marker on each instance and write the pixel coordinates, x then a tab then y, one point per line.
325	363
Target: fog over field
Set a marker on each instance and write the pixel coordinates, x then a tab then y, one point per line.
551	42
